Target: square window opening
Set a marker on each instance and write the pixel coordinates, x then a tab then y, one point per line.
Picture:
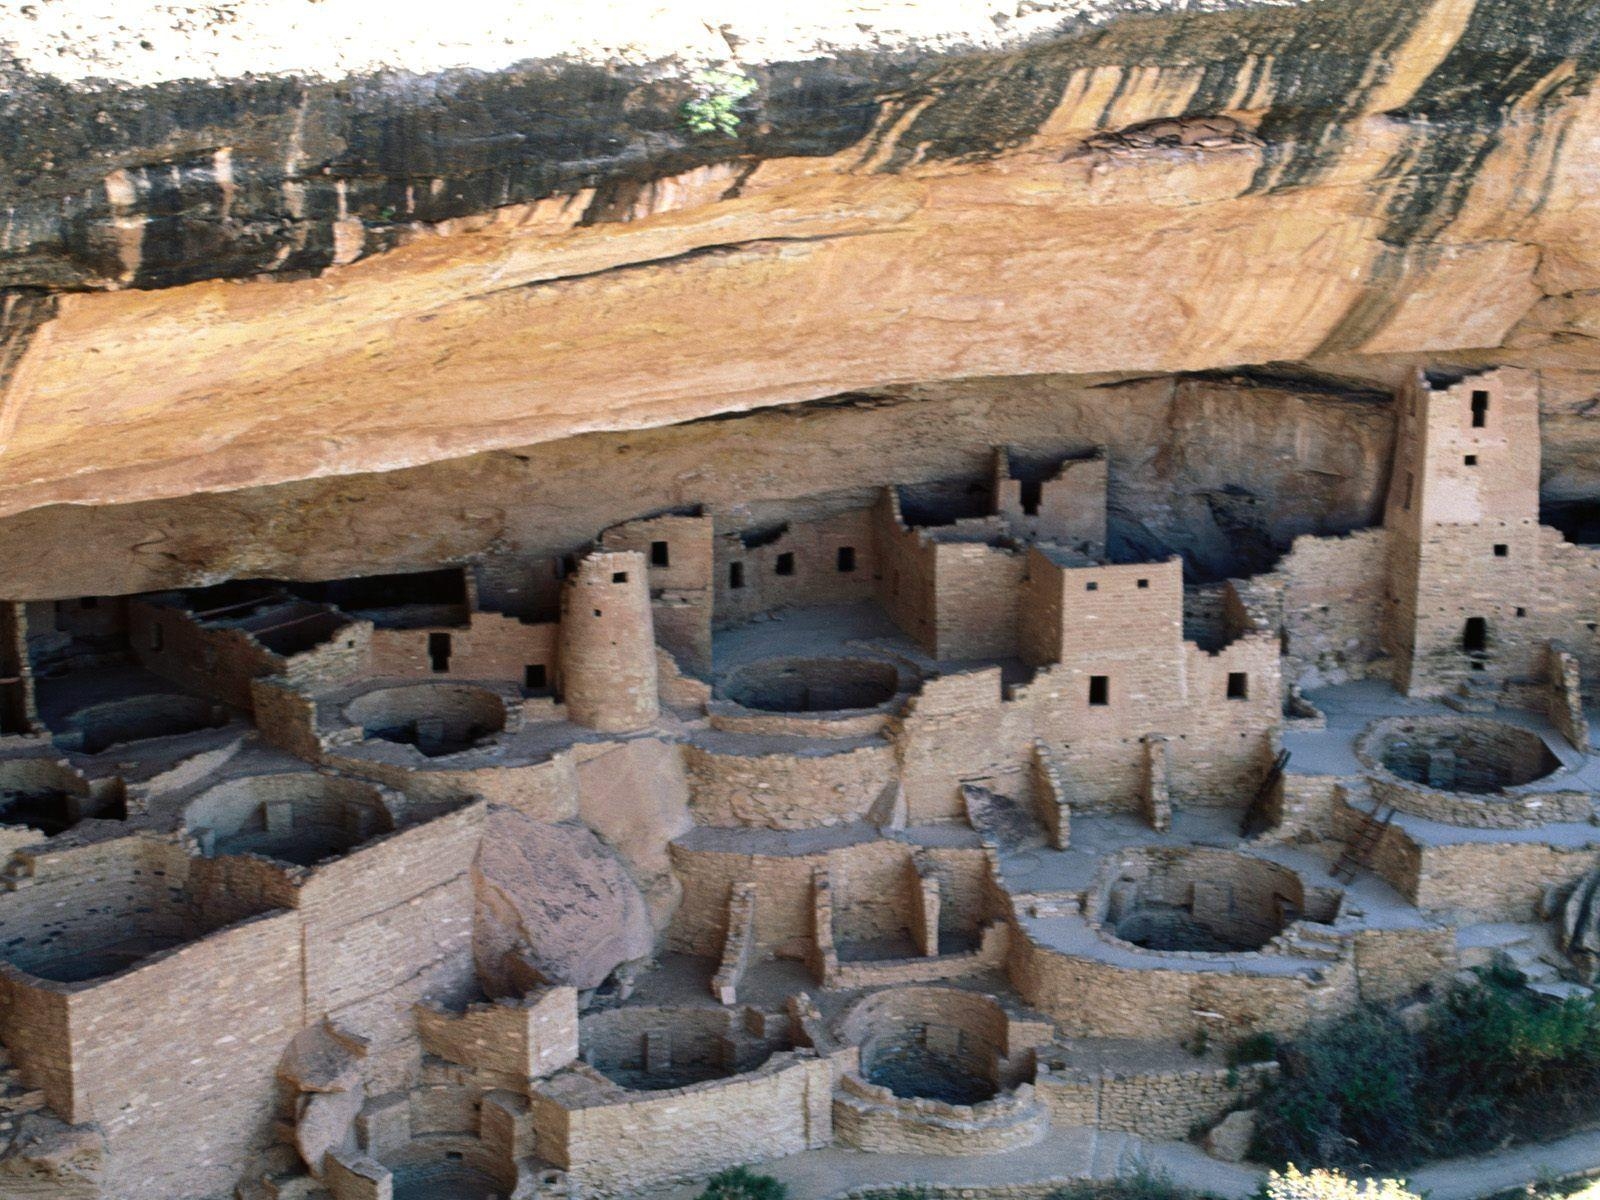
785	564
1501	550
1238	685
1470	460
847	559
619	577
660	555
1092	586
1144	583
535	677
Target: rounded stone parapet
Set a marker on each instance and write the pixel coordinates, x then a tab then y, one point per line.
869	1116
1472	772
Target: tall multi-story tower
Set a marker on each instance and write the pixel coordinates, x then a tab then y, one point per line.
608	644
1463	602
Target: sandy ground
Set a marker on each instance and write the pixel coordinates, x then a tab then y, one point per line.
147	41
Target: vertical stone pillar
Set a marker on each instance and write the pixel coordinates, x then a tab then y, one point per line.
925	911
1156	803
608	645
18	713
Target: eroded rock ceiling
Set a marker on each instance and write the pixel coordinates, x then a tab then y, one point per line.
293	294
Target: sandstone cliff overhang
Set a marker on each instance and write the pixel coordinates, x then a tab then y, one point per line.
217	284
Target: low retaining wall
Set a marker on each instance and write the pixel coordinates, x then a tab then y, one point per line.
612	1140
1154	1104
870	1117
1510	809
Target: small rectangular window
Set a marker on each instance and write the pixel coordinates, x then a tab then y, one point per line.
1099	691
660	555
1522	612
1238	685
1144	583
736	575
1501	550
534	677
1092	586
1480	409
619	577
1032	497
439	652
785	565
1471	460
847	559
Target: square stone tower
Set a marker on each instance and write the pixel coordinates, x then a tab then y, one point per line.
1465	543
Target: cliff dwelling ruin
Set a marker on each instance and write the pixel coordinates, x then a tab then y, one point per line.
546	652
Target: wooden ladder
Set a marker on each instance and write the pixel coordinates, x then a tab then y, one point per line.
1255	817
1358	850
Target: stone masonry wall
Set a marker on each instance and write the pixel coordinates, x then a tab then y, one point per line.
206	1026
794	789
818	553
491	647
618	1140
1152	1104
679	553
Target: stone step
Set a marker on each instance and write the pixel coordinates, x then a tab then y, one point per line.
1560	989
1539	972
1320	951
19	1103
1327	934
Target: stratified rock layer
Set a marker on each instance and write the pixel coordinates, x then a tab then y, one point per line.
1370	179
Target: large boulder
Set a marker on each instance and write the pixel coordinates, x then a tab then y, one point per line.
558	899
1580	926
1229	1139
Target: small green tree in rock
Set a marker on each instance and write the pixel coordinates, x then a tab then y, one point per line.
714	107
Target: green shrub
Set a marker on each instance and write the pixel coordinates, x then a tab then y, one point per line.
1502	1062
1347	1096
1257	1048
741	1183
1492	1063
714	107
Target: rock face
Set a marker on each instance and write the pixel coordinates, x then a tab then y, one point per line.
1342	183
553	895
1229	1139
1580	926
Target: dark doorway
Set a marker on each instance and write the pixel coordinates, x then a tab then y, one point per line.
1475	635
439	652
1032	496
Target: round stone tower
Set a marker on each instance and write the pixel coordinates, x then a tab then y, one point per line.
608	643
